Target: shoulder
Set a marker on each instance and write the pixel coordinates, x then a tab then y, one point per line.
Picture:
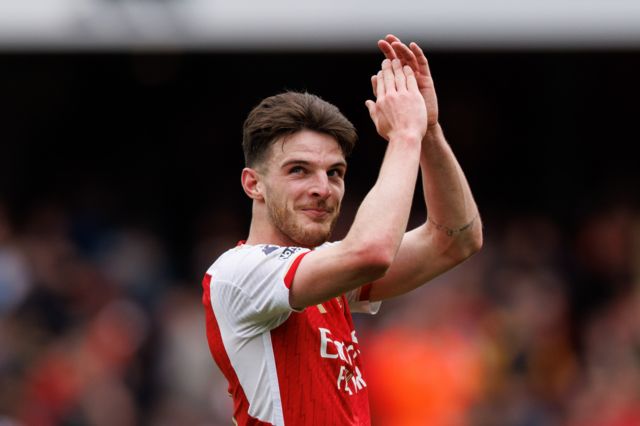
245	259
248	285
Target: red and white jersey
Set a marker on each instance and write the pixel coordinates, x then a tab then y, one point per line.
284	367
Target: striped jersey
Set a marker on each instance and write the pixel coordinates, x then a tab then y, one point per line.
284	367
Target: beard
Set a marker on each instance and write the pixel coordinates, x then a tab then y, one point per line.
292	224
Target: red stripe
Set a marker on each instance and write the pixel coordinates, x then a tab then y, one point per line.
240	402
288	279
365	291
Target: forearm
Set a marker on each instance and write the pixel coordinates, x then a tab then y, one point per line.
384	213
369	248
453	230
450	204
429	250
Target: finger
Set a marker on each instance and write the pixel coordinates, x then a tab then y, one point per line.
380	85
374	85
401	82
386	49
421	58
390	38
412	83
406	55
371	106
389	78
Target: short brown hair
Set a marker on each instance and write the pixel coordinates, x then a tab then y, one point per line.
287	113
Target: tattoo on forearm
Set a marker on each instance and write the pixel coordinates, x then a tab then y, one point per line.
452	231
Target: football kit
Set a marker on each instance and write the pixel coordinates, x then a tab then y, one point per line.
284	366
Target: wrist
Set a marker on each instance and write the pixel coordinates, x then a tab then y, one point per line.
405	138
434	132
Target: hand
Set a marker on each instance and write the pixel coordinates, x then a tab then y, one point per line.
399	109
413	56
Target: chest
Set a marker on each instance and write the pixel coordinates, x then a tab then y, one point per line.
325	329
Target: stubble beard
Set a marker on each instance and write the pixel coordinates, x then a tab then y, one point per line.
289	224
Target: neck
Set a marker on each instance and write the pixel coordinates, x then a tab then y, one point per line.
263	232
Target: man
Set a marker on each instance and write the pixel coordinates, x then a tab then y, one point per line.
279	305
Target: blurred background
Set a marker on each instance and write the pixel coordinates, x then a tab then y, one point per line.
120	165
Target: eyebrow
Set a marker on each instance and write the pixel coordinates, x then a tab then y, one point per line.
307	163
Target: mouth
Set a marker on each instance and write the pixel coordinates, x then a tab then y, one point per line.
317	213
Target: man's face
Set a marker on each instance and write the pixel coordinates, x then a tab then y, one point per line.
303	176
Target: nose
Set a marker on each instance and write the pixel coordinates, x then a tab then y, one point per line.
320	187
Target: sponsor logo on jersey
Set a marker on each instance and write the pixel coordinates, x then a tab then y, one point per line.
268	249
288	252
349	378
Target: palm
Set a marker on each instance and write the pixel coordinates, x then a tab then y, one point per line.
392	48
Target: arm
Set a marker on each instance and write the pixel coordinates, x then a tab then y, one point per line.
453	231
373	240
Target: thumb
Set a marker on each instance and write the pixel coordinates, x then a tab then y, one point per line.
371	106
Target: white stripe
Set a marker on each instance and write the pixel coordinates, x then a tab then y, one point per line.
247	359
278	415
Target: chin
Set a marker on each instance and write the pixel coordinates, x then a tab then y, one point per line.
317	235
313	240
301	230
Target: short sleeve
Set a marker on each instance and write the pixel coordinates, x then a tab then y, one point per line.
358	298
359	301
250	287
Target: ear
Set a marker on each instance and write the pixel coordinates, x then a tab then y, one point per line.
251	184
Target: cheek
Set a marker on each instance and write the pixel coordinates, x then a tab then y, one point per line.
286	195
278	189
296	191
339	191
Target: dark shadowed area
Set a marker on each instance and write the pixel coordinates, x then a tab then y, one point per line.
120	184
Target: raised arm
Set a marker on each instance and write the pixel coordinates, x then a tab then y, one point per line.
453	230
372	242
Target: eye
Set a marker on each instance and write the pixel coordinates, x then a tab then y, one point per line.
296	170
335	173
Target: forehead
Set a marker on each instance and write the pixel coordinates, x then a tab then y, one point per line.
308	146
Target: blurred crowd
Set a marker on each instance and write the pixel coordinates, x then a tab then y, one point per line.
99	326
